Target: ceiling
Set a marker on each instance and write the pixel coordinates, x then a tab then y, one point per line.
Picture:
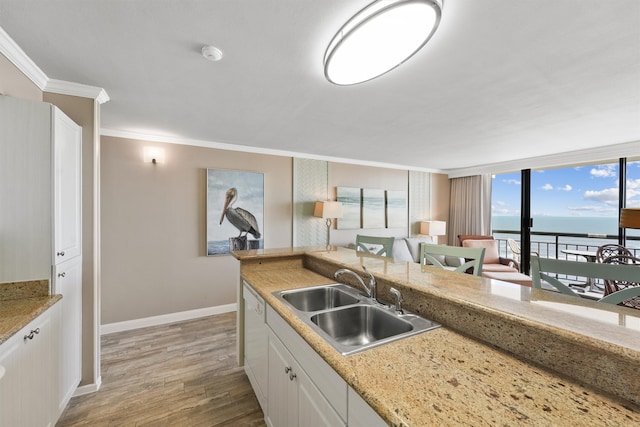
500	81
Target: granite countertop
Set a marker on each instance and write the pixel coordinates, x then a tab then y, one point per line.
442	377
22	302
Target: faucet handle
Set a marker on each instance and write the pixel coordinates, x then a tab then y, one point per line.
399	300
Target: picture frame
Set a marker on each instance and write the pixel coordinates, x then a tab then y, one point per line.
396	206
351	199
373	208
235	211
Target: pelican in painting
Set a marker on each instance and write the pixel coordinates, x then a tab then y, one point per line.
240	218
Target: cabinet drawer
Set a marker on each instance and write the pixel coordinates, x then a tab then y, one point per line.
330	384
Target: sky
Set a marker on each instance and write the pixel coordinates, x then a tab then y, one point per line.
585	191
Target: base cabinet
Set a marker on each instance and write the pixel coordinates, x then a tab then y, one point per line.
68	283
293	398
295	386
28	389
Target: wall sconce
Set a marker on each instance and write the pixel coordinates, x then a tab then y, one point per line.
433	229
153	155
328	210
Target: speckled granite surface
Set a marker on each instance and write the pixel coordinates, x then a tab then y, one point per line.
20	303
446	377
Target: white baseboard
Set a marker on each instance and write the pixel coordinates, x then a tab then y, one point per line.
88	388
165	318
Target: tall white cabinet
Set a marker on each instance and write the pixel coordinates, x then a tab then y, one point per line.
40	220
67	247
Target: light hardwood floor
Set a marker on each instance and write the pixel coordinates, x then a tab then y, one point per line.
181	374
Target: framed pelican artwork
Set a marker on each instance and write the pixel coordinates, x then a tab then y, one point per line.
235	211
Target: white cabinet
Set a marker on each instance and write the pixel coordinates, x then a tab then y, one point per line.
303	390
293	384
41	193
256	343
294	400
29	359
68	279
67	187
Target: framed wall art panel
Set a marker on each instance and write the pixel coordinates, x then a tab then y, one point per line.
235	211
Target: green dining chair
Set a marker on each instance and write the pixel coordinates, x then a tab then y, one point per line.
375	245
436	255
544	269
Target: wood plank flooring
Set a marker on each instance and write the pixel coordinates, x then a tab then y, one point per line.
181	374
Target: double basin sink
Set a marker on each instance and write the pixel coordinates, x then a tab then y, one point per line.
350	321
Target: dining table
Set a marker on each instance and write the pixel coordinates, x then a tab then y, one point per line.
590	256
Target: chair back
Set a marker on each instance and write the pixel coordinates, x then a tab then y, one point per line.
434	255
609	250
544	269
515	248
613	286
374	245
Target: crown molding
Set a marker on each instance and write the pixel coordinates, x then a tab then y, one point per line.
602	154
76	89
255	150
16	55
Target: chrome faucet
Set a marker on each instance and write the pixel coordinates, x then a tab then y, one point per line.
399	300
370	290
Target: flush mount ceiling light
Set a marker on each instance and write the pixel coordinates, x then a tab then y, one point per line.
211	53
380	37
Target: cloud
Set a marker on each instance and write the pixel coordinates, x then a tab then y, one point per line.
547	187
605	171
565	188
500	202
633	184
607	196
511	181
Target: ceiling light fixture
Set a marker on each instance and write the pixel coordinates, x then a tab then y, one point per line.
380	37
212	53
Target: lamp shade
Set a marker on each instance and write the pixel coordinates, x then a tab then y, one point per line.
630	218
433	228
327	209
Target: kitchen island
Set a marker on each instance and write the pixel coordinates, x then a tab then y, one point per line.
505	354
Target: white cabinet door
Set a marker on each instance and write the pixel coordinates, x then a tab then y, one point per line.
283	395
294	400
27	390
313	408
256	344
68	283
67	179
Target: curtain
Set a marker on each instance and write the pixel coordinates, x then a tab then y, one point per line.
470	206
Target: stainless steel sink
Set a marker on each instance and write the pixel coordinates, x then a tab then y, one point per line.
350	321
360	324
320	298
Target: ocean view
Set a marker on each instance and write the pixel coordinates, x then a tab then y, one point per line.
580	225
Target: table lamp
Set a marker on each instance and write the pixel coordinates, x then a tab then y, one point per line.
328	210
433	229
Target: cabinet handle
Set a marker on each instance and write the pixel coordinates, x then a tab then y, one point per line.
292	376
259	309
61	274
287	369
61	253
32	334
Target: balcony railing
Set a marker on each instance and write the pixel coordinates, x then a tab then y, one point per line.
552	245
